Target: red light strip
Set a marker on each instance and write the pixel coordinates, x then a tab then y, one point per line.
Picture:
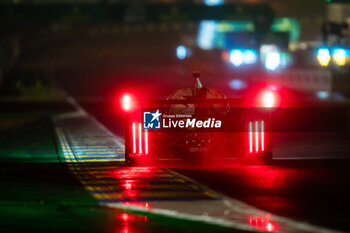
250	137
256	136
262	136
140	139
134	137
146	141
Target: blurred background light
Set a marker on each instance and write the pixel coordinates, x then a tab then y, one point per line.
181	52
213	2
237	84
272	61
323	56
250	56
206	34
236	57
323	94
339	56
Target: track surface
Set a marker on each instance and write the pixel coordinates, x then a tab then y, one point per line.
294	185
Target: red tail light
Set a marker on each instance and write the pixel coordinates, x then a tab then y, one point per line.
126	102
269	99
256	136
146	141
134	137
139	139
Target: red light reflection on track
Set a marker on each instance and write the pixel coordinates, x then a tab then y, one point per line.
133	173
127	222
267	177
126	217
262	223
133	181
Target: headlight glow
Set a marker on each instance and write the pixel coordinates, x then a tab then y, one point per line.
323	56
339	57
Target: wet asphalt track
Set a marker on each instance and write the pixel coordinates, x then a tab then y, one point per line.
302	186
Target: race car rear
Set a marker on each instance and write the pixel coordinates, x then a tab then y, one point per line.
197	124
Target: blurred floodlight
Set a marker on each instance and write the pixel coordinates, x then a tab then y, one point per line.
237	84
250	56
181	52
206	34
323	94
236	57
273	60
323	56
213	2
339	56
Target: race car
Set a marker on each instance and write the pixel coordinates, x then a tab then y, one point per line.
198	124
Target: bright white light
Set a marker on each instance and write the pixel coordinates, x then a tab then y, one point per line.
213	2
340	52
181	52
134	137
250	137
140	138
237	84
236	57
269	99
273	60
249	56
126	102
323	56
322	94
206	34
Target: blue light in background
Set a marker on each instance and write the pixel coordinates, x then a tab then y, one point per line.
213	2
323	52
237	84
243	56
236	57
339	51
206	34
250	56
181	52
323	94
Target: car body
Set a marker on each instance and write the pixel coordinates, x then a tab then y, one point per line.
242	134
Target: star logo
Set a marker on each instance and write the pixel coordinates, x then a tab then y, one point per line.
151	120
156	115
